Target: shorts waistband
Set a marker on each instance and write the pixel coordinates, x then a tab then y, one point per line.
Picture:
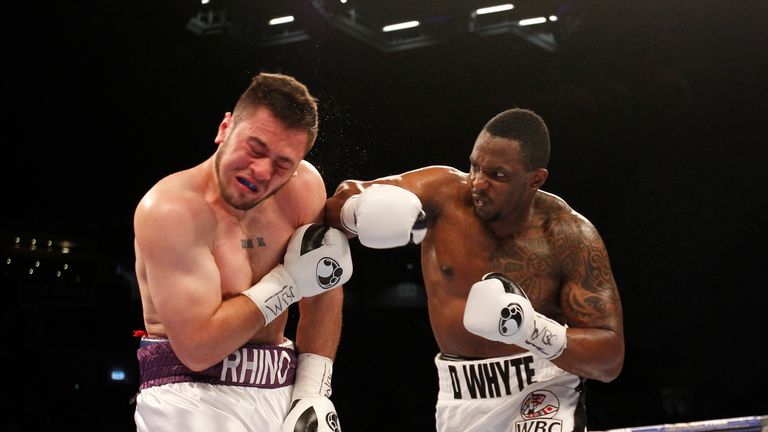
493	377
252	365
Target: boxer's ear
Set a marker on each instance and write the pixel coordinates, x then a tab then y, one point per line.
224	127
537	177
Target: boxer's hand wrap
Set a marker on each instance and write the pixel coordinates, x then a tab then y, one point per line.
274	293
384	216
317	259
311	408
499	310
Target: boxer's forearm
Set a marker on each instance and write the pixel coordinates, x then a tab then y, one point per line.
593	353
319	327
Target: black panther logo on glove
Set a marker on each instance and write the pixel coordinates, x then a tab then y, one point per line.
328	272
308	421
332	419
513	312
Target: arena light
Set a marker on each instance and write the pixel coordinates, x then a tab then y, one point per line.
400	26
531	21
208	22
117	375
494	9
281	20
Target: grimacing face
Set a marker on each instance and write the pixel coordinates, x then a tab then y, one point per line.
258	155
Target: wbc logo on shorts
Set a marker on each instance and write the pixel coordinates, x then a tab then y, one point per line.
538	412
540	404
328	272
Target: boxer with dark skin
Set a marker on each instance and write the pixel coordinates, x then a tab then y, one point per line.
495	218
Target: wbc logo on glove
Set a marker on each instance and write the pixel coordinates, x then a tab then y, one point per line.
510	319
328	272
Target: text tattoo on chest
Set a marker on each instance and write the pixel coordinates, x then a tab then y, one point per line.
248	243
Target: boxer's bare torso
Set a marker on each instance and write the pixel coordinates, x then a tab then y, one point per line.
244	245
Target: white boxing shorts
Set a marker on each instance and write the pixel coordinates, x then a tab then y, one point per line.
250	390
519	393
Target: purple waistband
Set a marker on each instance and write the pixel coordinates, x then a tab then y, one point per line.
263	366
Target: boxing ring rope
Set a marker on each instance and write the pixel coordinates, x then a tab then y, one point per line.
736	424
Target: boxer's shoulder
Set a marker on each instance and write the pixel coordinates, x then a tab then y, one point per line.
436	184
303	197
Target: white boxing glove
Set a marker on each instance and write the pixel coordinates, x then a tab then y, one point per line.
499	310
311	408
317	259
384	216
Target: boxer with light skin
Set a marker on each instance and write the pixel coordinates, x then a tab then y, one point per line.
223	249
521	297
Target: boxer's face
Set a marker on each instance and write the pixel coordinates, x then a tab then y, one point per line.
499	181
257	156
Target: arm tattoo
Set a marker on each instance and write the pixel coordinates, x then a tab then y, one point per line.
589	293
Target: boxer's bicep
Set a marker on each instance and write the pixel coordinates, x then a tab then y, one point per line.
182	275
589	297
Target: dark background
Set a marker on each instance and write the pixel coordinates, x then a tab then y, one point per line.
657	118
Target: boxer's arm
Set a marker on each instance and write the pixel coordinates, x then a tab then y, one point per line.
428	184
590	302
411	181
319	327
317	338
184	284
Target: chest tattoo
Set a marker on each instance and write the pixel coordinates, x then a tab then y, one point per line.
248	243
531	264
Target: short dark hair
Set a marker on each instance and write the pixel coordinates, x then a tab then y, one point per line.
287	98
527	128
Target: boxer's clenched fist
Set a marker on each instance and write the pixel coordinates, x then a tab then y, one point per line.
499	310
317	260
384	216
